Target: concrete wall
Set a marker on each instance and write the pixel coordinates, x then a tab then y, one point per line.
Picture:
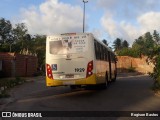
140	64
18	65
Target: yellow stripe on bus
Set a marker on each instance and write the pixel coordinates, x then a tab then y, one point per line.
85	81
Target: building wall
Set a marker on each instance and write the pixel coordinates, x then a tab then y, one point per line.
6	63
139	64
25	65
18	65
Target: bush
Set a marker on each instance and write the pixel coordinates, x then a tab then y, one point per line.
155	58
128	52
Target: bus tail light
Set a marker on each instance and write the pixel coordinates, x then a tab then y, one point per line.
49	71
89	69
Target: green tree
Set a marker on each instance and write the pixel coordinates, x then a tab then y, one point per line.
105	42
139	46
144	44
128	52
39	48
22	38
125	44
117	44
154	57
121	47
156	37
5	35
149	42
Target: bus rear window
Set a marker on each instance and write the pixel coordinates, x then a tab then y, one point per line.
56	47
67	46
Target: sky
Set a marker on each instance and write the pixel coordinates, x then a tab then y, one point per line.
106	19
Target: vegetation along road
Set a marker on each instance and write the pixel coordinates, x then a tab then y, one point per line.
128	93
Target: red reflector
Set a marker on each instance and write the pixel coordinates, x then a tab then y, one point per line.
49	71
89	69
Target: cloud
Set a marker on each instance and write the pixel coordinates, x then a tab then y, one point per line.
98	33
127	30
52	17
150	21
110	25
127	19
130	9
136	4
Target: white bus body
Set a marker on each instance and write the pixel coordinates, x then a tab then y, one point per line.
78	59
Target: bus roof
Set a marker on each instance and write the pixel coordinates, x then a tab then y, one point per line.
73	34
69	34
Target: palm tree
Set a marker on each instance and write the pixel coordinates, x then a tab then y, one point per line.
117	44
105	42
125	44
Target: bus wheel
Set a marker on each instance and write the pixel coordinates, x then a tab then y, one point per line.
104	85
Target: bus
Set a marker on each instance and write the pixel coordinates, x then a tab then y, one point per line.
78	59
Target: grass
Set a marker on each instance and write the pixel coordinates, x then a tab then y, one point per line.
8	83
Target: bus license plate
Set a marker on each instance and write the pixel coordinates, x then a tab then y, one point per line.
69	76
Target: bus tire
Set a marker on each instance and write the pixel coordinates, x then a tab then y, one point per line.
104	85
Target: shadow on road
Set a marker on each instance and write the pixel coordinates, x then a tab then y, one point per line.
128	93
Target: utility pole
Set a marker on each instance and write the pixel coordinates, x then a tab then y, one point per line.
84	15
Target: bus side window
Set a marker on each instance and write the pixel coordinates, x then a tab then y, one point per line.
106	55
99	51
112	57
102	53
96	49
109	56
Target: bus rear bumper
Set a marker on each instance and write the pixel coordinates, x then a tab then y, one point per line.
85	81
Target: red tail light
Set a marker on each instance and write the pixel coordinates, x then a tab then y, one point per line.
49	71
89	69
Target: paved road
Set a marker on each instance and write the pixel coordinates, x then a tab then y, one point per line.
130	93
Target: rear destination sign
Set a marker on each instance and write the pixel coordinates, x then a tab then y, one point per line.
65	45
